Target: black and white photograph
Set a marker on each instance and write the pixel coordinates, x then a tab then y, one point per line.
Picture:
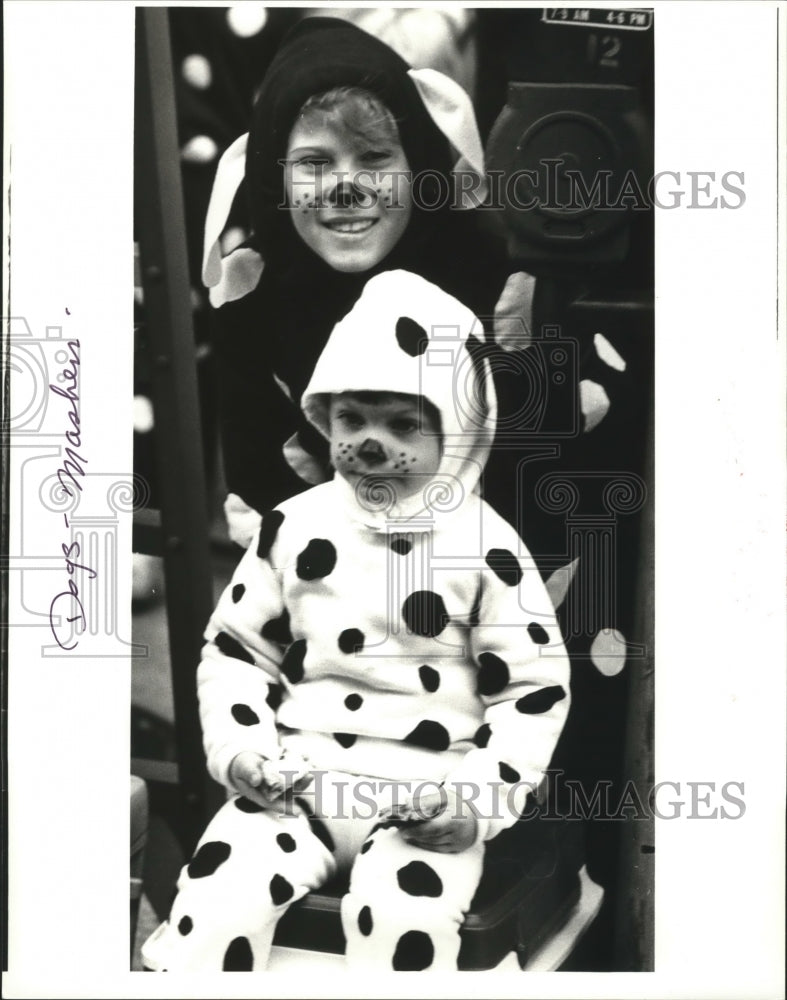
394	488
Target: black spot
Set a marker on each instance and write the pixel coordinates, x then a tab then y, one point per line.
366	846
320	831
411	336
186	925
414	952
278	629
269	528
238	591
365	922
275	693
353	702
482	735
508	773
345	739
401	546
292	664
419	879
317	560
429	678
280	889
387	824
493	675
540	701
424	613
537	633
247	806
244	716
208	858
429	734
238	956
285	842
231	647
351	640
505	566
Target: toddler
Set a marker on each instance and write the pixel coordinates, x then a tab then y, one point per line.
383	681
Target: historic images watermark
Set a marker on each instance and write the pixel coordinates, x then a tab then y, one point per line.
63	553
554	798
555	186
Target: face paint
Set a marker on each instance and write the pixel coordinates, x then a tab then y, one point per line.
350	202
392	438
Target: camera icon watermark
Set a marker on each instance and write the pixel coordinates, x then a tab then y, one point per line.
534	379
29	364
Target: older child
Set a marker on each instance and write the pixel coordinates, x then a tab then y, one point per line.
386	649
335	107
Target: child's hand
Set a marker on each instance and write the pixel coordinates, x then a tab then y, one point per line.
452	828
437	822
290	773
266	781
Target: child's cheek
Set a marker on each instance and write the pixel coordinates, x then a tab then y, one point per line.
374	188
343	456
385	190
304	197
391	188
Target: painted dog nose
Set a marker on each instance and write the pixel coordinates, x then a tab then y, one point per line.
371	452
345	195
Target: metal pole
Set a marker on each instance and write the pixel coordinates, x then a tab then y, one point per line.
161	234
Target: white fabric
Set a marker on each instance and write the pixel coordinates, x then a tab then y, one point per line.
558	583
366	590
278	854
229	174
594	403
301	462
514	312
238	274
242	520
451	110
607	353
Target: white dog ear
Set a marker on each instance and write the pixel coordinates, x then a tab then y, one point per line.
513	327
451	109
238	274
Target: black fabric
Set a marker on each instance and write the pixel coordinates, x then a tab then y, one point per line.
284	324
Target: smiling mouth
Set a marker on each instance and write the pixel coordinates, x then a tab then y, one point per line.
350	227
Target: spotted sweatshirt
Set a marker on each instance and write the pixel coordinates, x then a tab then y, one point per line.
410	642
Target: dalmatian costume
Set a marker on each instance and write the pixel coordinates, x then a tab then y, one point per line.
396	645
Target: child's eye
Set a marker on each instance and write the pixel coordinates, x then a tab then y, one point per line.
312	162
351	420
404	425
375	156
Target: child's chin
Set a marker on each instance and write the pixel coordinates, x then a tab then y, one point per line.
396	488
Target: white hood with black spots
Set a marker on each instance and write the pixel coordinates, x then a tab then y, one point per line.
404	654
406	335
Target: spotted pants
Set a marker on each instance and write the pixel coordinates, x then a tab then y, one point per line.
403	910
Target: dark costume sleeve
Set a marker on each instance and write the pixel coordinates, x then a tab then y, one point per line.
256	416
